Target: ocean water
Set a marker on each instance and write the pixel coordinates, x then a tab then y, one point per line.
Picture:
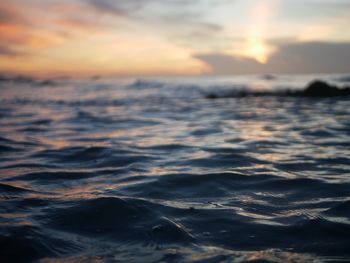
149	170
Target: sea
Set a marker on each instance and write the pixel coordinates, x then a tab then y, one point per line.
152	170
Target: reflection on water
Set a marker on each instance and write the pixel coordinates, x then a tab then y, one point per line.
152	171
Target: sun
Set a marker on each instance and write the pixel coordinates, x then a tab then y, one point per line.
257	49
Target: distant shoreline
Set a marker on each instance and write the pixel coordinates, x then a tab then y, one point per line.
315	89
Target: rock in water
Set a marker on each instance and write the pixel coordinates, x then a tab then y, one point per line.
323	89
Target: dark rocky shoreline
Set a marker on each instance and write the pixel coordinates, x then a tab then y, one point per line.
316	89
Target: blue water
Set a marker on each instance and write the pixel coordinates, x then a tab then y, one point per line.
149	170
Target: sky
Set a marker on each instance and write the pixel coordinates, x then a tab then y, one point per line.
174	37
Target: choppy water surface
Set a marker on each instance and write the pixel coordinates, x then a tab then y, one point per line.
150	170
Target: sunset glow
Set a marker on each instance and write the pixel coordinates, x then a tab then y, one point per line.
84	37
258	50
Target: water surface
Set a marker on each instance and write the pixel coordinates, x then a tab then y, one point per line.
149	170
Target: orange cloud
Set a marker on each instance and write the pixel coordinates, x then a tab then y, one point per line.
11	33
21	37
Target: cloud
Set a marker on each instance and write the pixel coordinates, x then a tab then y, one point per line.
312	57
7	14
9	52
222	64
179	20
57	22
131	7
34	25
291	58
119	8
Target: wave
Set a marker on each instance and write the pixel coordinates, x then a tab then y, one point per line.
129	220
28	243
